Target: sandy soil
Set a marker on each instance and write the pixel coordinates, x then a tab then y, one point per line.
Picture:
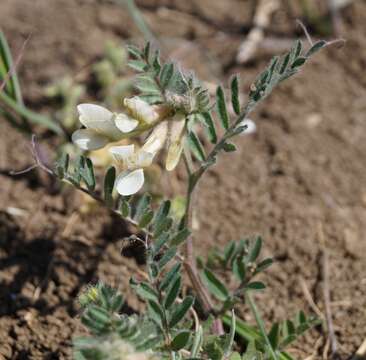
304	167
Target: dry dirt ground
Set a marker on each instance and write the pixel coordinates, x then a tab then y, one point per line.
305	166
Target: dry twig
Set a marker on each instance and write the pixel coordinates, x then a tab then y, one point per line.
310	299
314	354
335	17
326	293
262	18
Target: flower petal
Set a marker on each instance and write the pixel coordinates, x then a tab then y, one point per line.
128	183
125	123
141	110
121	153
88	139
251	126
144	158
173	156
176	142
177	127
157	138
98	118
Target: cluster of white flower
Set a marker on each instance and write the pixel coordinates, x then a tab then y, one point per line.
103	127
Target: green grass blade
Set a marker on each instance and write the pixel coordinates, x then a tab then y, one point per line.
30	115
242	329
138	19
260	324
8	63
5	61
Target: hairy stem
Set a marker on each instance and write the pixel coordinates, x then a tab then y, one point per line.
193	178
190	261
210	160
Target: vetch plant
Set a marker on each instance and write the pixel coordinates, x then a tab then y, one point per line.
174	111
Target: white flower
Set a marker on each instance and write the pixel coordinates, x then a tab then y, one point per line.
133	161
125	123
251	127
176	140
143	112
172	132
157	138
102	126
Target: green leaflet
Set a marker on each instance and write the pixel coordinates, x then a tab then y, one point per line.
229	147
124	207
170	276
216	287
263	265
221	108
255	285
137	65
146	218
142	206
109	180
169	255
180	237
180	311
156	312
196	146
87	174
161	216
235	95
146	292
255	250
160	241
172	293
62	165
239	269
146	84
211	131
298	62
180	340
166	74
273	335
315	48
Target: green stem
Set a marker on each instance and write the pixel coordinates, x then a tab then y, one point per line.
210	160
193	178
190	261
260	323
